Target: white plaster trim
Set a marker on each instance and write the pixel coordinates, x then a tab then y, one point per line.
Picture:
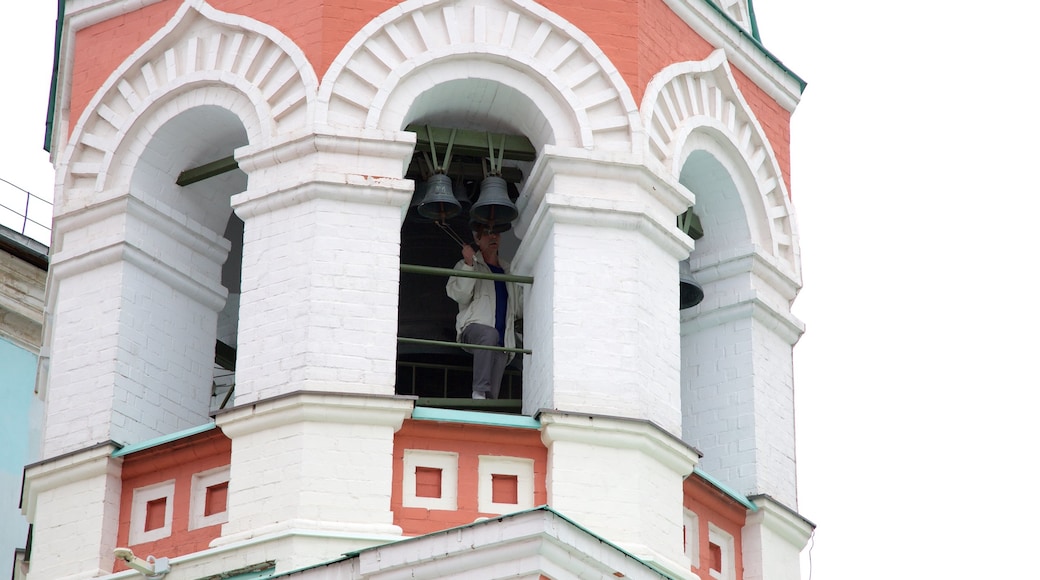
355	189
619	433
724	541
166	220
521	467
65	469
782	521
315	407
744	53
200	482
741	17
447	462
625	173
67	266
522	545
102	130
139	511
693	97
419	32
784	324
691	522
743	260
374	533
364	143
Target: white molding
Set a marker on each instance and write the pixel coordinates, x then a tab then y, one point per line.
142	496
521	467
619	433
691	523
407	39
306	406
100	130
448	464
66	469
724	540
200	483
691	98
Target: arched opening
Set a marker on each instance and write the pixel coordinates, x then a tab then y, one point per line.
176	170
482	140
719	205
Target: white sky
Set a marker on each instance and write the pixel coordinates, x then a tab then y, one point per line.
917	201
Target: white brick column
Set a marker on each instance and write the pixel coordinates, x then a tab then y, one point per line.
602	318
313	473
738	384
623	479
773	539
73	502
133	297
321	263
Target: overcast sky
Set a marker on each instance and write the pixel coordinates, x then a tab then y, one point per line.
915	187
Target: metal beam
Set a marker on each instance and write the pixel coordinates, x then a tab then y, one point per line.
211	169
473	143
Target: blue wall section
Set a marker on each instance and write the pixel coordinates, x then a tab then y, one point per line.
21	422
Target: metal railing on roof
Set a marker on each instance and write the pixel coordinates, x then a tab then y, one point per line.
26	213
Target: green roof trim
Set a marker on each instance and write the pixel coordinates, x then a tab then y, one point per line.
753	36
51	103
726	490
754	21
475	418
163	440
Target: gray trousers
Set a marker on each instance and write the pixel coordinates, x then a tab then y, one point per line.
488	365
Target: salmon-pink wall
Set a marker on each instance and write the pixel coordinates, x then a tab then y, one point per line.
640	38
470	442
177	460
712	506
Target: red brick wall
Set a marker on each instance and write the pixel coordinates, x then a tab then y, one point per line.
178	460
713	506
640	38
470	442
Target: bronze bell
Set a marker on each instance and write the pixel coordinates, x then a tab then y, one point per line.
690	292
493	206
439	203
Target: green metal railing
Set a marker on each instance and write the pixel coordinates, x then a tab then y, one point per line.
434	271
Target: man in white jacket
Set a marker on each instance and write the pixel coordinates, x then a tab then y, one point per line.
487	311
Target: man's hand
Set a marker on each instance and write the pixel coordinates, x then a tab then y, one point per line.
467	254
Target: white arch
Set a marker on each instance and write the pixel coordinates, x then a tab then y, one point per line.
203	52
510	41
696	97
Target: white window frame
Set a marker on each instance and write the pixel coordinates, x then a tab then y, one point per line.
724	541
447	462
691	523
200	482
521	467
139	512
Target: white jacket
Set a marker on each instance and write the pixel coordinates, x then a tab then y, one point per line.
476	298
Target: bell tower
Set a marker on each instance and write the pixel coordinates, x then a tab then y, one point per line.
252	362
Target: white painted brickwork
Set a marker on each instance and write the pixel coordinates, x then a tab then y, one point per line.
135	284
605	298
738	397
320	274
136	299
631	466
75	499
773	539
317	462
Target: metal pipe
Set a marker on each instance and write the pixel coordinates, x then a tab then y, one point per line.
434	271
404	340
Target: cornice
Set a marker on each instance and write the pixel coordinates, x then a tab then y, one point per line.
746	53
